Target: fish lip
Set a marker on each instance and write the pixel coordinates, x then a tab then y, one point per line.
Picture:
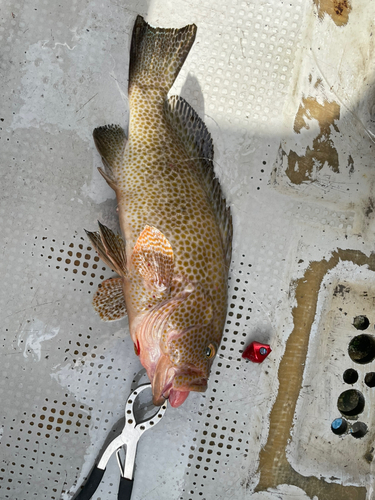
164	380
167	389
158	401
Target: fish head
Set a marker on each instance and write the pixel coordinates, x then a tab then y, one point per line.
185	366
181	361
173	320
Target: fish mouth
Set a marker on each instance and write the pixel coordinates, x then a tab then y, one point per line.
163	382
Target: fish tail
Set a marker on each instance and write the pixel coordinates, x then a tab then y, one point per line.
157	54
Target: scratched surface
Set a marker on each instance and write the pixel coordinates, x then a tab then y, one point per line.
287	92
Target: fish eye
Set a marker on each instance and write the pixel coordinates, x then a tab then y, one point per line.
210	351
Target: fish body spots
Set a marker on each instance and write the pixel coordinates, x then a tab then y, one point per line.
174	218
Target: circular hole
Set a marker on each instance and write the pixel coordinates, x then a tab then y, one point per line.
361	322
370	379
362	349
339	426
350	376
351	402
358	430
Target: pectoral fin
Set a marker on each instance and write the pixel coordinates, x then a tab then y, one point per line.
109	300
110	247
153	258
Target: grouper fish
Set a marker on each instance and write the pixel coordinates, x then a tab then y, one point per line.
174	252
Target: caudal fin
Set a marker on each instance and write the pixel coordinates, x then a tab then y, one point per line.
157	54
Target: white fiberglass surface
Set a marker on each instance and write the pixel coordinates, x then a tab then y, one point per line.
287	91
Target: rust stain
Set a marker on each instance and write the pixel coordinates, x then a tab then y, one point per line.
274	467
338	10
302	168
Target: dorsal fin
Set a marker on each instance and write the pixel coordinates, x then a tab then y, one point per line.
197	140
190	128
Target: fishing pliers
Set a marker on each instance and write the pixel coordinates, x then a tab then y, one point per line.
129	437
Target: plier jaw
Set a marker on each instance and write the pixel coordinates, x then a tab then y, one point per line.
128	438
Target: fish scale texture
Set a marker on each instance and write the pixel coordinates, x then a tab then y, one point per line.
159	185
165	205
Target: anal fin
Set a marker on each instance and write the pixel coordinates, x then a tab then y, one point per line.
109	300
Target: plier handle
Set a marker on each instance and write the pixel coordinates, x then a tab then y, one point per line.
129	437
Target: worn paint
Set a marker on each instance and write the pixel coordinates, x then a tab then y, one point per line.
274	467
338	10
302	168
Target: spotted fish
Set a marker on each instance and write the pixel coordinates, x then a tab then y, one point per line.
174	252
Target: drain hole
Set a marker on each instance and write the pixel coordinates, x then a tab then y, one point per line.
361	322
350	376
370	379
358	430
362	349
339	426
351	402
